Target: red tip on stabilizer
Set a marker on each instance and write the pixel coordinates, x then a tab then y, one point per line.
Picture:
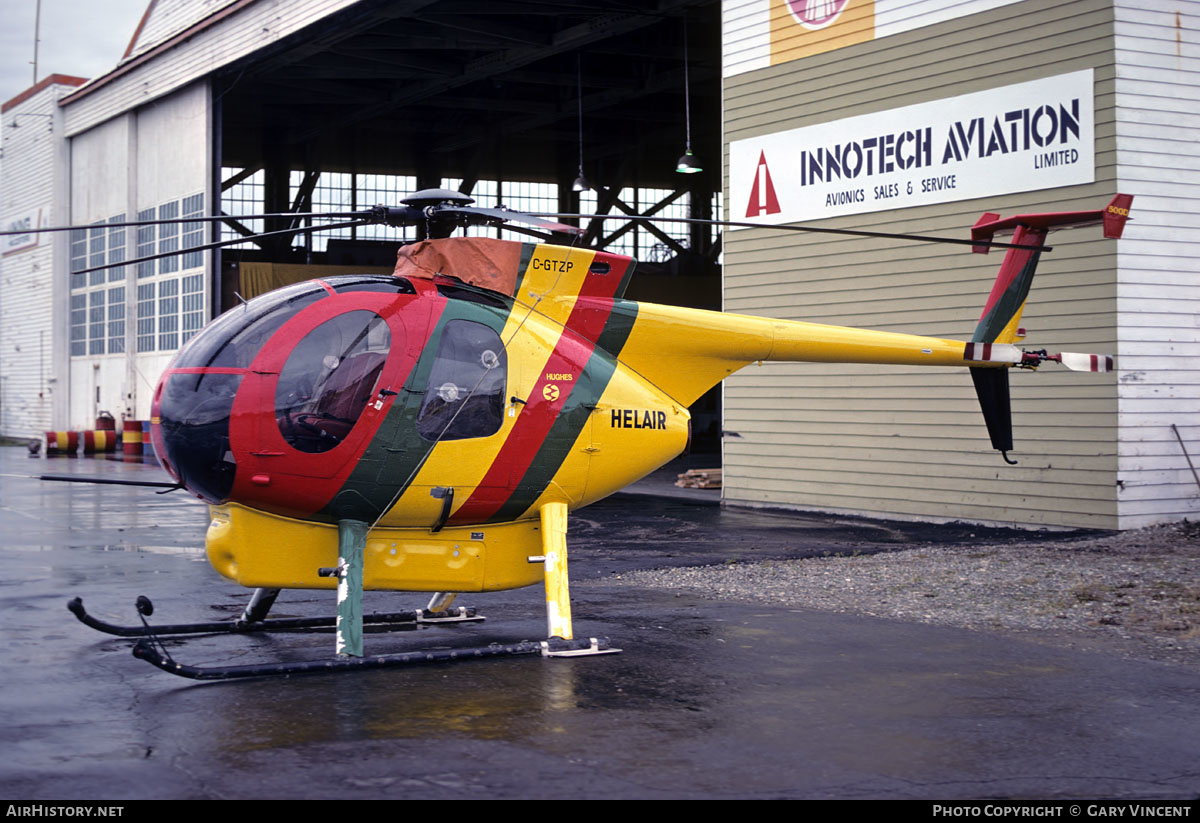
1113	216
979	231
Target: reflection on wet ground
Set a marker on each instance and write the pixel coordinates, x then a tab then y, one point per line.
707	700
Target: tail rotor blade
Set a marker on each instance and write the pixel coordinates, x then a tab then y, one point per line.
1075	361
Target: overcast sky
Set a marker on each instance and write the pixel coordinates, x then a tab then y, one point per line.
81	37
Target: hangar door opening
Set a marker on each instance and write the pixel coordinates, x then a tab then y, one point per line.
509	103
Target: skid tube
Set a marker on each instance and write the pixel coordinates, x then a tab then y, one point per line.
553	647
398	620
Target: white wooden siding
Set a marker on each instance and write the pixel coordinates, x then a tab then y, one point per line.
169	17
745	36
1158	297
27	343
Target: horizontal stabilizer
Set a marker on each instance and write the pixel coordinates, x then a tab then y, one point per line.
1086	362
1112	217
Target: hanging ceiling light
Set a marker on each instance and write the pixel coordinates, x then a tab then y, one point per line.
581	183
687	163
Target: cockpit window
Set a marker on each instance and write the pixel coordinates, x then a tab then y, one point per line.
194	413
329	378
455	291
234	338
372	282
465	395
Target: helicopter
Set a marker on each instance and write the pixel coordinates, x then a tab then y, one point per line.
431	430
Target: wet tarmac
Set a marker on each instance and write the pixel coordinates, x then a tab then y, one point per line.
709	699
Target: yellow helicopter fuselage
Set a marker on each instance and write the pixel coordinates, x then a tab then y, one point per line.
595	396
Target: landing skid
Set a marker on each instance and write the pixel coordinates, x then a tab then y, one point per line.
394	621
554	647
349	621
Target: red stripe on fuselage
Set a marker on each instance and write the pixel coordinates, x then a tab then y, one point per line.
302	483
207	370
570	355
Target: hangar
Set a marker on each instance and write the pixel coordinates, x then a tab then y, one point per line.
251	106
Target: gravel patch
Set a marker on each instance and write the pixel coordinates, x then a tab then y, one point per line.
1135	593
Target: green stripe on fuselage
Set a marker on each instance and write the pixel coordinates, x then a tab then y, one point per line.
527	250
618	327
571	420
624	284
574	416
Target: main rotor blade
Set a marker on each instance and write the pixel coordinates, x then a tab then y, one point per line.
507	215
333	215
924	238
218	244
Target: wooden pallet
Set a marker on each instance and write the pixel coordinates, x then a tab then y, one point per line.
700	479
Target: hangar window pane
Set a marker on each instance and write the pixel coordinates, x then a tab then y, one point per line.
79	251
193	305
386	190
168	315
116	320
96	322
193	233
145	243
637	241
331	191
145	317
486	193
96	236
243	197
116	249
78	324
168	237
527	196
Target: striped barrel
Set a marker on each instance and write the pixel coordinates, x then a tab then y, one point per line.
62	442
131	438
99	441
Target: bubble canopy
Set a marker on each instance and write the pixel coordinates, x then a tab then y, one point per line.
195	400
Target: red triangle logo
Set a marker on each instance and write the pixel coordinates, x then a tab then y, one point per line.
762	195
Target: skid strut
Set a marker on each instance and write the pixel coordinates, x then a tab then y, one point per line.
558	588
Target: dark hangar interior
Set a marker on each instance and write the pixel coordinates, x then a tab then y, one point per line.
499	99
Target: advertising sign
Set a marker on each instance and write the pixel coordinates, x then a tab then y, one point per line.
800	28
762	33
1024	137
20	242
